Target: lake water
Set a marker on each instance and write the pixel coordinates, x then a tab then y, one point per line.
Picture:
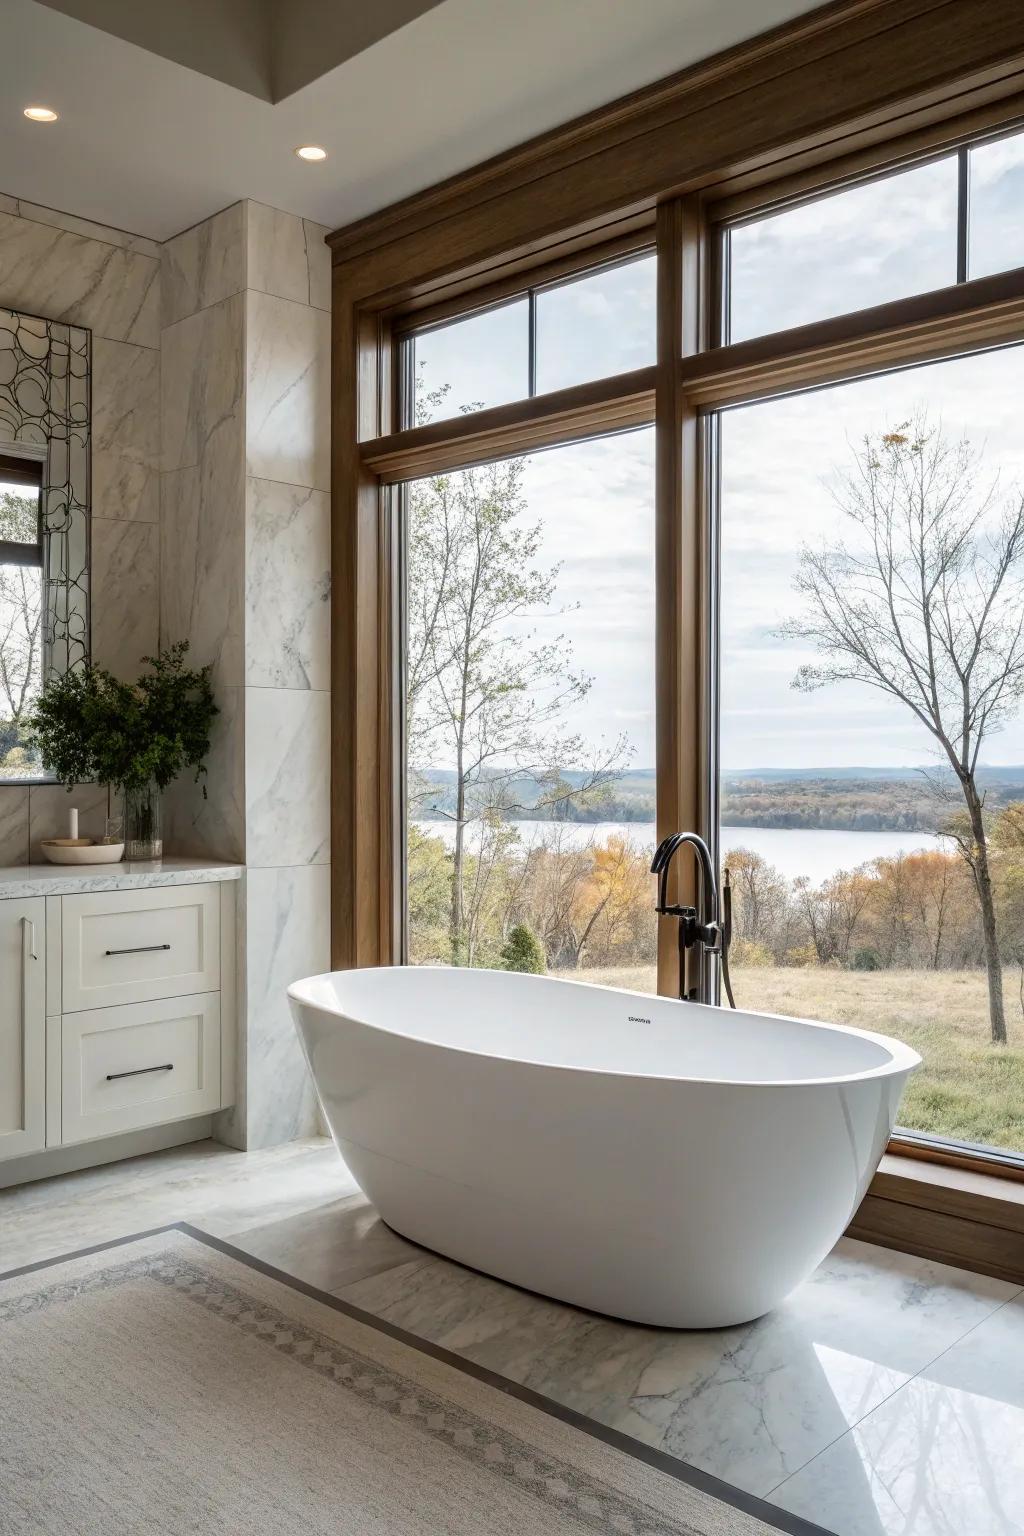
793	853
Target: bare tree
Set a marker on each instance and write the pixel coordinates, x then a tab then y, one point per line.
926	603
484	693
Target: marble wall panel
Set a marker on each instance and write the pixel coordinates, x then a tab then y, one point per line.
65	276
13	824
202	384
70	221
203	264
202	557
125	594
125	431
288	384
288	937
287	256
287	586
287	771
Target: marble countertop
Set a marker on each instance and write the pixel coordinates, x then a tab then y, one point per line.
66	879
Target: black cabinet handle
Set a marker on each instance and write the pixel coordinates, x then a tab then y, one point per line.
139	949
168	1066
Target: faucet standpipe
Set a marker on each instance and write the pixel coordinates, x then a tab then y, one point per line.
697	930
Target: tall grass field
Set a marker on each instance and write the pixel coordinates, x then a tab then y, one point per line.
968	1089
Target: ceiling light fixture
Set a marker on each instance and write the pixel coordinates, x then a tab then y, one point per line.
41	114
311	152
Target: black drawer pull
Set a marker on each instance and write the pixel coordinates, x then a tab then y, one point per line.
112	1077
140	949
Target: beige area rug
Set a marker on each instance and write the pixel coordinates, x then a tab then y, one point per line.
168	1385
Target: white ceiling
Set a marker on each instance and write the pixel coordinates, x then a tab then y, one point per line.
150	146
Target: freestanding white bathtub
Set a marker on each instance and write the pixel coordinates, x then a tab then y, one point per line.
664	1162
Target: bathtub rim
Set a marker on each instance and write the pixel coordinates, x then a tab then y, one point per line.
902	1058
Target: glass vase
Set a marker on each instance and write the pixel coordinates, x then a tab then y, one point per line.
143	823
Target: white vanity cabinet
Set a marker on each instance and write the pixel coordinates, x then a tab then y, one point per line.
117	1004
22	1027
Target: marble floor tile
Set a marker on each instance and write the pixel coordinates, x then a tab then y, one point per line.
205	1183
884	1398
491	1323
750	1404
943	1457
330	1246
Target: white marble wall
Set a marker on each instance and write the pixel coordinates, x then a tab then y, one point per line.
202	511
287	660
66	268
245	573
211	506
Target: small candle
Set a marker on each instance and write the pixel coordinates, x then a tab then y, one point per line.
73	824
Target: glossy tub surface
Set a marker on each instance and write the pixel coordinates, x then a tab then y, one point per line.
664	1162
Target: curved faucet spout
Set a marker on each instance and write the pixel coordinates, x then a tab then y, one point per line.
662	863
704	930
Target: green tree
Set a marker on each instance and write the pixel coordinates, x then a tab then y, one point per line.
926	603
523	952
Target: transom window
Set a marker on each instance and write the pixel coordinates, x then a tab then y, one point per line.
559	334
952	218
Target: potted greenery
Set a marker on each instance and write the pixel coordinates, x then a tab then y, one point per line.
90	727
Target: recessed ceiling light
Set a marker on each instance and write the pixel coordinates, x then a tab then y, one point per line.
41	114
311	152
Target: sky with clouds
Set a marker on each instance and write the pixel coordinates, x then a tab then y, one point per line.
863	246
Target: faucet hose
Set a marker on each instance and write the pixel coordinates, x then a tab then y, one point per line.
727	934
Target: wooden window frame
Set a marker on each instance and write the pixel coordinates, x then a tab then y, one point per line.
847	91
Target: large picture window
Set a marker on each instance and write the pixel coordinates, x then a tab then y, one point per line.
872	722
707	516
529	707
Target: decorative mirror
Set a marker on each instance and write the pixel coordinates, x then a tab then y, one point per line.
45	369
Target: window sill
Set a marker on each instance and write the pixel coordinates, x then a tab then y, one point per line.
955	1215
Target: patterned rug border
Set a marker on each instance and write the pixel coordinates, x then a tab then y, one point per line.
681	1471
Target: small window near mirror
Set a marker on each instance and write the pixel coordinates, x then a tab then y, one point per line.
996	206
21	609
867	244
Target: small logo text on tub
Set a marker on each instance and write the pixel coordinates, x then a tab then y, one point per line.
637	1018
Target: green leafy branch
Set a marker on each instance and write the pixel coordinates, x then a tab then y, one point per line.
89	726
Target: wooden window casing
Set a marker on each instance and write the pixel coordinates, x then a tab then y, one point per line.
851	90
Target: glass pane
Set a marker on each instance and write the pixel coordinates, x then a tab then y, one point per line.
872	887
997	206
19	512
869	244
483	360
530	714
597	325
21	605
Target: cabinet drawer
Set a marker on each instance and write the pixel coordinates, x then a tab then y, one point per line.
136	945
137	1065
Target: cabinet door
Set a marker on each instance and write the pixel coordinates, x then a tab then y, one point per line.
22	1027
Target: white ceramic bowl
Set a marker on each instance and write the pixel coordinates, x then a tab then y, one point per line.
61	851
